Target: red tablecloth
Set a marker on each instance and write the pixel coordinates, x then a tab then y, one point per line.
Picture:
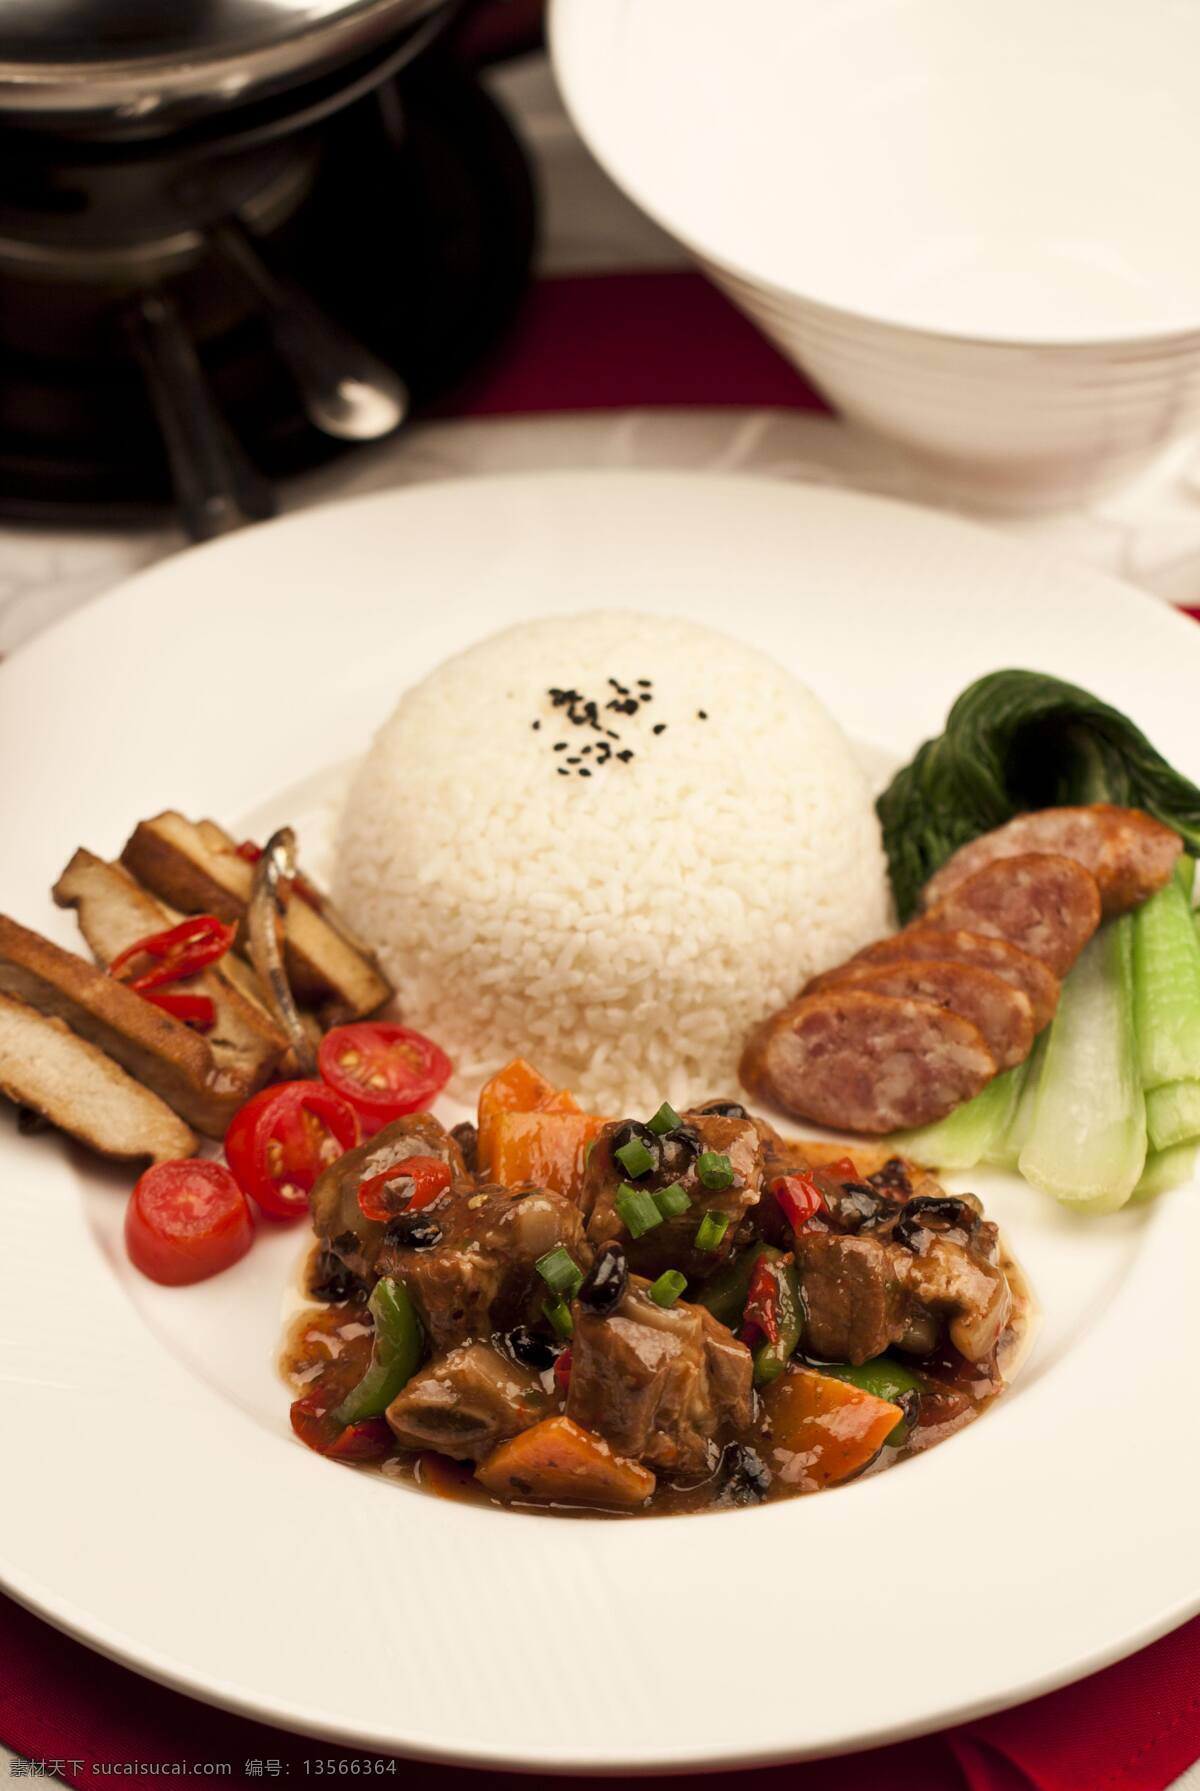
589	343
1134	1727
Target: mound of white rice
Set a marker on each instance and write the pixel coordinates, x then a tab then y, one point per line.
616	896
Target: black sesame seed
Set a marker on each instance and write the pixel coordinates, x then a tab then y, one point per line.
645	683
574	759
660	727
625	756
584	772
562	771
560	746
702	715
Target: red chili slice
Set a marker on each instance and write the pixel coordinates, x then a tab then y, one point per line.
370	1440
844	1170
404	1188
194	1010
280	1141
186	1221
176	952
762	1303
799	1198
562	1372
383	1070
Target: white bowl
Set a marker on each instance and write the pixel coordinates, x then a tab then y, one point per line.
973	226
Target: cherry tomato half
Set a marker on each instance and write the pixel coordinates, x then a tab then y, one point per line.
281	1140
409	1185
384	1071
186	1221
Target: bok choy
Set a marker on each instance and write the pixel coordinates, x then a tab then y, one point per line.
969	1134
1166	974
1087	1144
1018	740
1165	1169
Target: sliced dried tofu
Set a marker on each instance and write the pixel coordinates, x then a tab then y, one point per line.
80	1090
163	1054
196	868
114	912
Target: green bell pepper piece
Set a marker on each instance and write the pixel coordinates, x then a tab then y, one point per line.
395	1355
884	1378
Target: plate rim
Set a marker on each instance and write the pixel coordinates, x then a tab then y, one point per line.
61	1612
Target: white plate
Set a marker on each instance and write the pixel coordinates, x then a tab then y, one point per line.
156	1504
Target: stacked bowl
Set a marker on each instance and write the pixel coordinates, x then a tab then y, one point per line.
969	224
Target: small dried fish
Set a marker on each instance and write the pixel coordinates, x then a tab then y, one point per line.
273	872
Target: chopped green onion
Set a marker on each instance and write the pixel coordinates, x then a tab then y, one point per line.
637	1209
711	1230
671	1201
714	1169
559	1315
667	1289
634	1158
560	1272
665	1120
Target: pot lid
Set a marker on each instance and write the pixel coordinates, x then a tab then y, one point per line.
90	32
130	54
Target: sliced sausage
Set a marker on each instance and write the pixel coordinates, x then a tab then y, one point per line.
1045	904
862	1062
1128	852
1000	956
1002	1013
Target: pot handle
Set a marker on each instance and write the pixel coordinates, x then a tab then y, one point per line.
216	487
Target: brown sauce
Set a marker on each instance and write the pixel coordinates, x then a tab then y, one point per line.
332	1342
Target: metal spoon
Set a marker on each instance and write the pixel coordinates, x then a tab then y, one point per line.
346	391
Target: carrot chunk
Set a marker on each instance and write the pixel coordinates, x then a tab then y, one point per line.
546	1149
818	1430
517	1088
557	1462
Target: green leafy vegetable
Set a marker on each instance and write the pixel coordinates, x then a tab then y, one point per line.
1166	982
1165	1169
1087	1145
1172	1114
965	1136
1004	1150
1018	740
